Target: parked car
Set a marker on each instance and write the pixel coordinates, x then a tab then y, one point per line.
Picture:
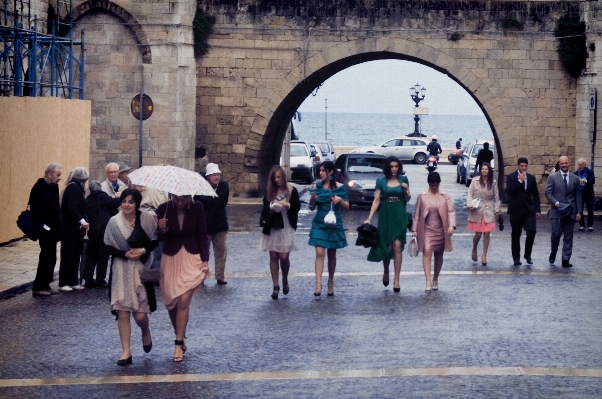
317	158
465	170
455	156
302	161
359	173
412	149
327	151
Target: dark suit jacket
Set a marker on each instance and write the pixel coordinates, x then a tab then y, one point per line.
100	206
215	208
73	208
556	192
193	235
45	207
292	214
522	202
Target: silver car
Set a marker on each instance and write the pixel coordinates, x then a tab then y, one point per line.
412	149
327	150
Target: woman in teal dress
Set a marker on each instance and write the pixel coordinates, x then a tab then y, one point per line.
327	238
392	194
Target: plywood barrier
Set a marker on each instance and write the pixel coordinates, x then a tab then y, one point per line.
35	131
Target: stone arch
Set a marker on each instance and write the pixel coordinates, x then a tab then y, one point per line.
120	12
269	126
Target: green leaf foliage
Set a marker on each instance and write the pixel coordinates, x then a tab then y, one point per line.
202	25
572	48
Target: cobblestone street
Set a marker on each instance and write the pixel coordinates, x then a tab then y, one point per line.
489	332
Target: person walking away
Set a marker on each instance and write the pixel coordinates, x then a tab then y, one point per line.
75	227
280	202
217	219
564	196
434	148
459	143
391	196
99	209
46	209
481	218
587	179
327	194
434	225
130	237
184	265
112	185
484	155
524	208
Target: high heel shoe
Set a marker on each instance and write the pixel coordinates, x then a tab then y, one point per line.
318	291
275	292
483	260
178	359
123	362
331	288
428	288
147	348
435	285
385	282
474	255
285	288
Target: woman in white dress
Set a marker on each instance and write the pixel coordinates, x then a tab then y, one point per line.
279	220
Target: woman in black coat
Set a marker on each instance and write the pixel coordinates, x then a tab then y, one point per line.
75	227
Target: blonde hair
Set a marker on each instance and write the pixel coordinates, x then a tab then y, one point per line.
273	189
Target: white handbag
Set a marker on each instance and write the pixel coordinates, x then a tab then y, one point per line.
476	202
330	219
413	248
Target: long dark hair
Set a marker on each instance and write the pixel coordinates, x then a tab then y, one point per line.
387	167
489	176
136	196
329	167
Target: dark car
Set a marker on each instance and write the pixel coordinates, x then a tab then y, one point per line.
455	156
359	173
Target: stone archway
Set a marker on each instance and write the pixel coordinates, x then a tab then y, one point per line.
267	132
120	12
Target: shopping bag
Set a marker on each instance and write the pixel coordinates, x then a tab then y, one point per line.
413	248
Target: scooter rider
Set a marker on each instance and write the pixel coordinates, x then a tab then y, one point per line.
434	148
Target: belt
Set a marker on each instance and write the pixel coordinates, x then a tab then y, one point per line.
393	199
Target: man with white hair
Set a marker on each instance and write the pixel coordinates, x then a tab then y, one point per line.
113	186
45	208
587	179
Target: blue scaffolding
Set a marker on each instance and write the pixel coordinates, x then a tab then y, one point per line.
37	64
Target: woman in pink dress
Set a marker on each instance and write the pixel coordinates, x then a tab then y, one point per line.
482	212
434	224
184	264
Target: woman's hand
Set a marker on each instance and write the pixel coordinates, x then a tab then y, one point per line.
469	207
135	253
284	203
450	230
414	234
367	221
336	199
162	223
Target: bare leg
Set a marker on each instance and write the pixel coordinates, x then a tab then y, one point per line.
397	256
180	315
320	252
142	321
426	264
332	265
125	332
274	267
285	265
486	238
475	242
438	265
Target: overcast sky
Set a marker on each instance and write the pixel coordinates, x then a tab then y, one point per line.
384	87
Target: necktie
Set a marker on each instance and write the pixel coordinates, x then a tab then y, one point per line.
565	180
116	186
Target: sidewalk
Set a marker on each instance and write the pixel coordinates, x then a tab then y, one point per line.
18	266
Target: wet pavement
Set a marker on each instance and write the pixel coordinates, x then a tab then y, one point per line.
495	331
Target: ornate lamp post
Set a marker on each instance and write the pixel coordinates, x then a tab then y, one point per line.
417	94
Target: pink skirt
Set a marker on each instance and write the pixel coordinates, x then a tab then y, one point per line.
179	274
481	227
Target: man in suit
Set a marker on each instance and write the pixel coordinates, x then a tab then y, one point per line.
564	196
523	207
113	186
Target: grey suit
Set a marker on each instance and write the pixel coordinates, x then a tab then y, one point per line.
558	192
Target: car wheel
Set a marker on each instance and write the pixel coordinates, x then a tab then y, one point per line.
420	158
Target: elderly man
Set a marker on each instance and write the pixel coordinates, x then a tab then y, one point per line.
217	219
45	208
564	196
113	186
124	171
587	179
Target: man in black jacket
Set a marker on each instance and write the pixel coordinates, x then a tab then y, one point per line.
484	155
217	219
100	207
524	207
45	208
434	148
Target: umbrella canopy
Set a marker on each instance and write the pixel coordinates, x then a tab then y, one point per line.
172	179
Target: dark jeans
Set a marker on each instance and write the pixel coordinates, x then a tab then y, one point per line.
518	223
46	263
71	252
96	258
563	227
589	205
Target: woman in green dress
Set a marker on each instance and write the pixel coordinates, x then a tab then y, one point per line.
392	194
327	238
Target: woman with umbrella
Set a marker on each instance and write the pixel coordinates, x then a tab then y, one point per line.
184	265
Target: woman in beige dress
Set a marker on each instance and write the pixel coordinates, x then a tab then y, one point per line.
434	224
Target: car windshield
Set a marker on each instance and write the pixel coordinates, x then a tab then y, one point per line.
298	150
365	165
323	147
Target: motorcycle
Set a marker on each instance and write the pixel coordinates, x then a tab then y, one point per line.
431	163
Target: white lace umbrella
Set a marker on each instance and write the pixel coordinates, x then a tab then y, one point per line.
172	179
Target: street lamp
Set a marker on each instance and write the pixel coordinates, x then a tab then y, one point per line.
417	93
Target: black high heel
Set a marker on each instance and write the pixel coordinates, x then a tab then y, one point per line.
275	292
285	288
179	358
147	348
123	362
385	282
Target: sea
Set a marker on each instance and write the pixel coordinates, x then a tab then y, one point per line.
347	129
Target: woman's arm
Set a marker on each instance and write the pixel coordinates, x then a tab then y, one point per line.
451	214
471	191
496	197
295	204
375	204
115	252
417	216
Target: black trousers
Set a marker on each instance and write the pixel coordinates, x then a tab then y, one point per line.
46	263
589	205
71	252
518	223
96	258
